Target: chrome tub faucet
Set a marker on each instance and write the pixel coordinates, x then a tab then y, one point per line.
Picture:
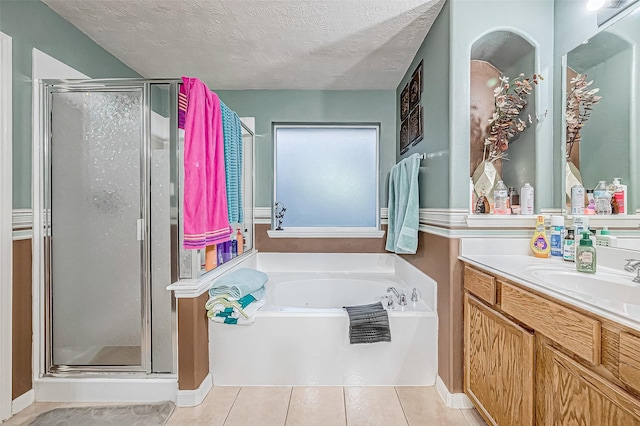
402	299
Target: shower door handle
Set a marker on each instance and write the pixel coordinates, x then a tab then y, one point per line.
140	229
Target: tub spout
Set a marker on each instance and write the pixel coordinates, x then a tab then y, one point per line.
402	299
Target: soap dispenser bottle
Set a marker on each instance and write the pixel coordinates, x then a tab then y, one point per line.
586	255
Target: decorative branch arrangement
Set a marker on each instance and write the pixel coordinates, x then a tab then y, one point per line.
510	101
580	102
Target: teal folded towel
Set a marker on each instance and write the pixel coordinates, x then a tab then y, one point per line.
238	283
232	130
404	206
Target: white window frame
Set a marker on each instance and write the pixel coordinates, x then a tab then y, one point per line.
324	231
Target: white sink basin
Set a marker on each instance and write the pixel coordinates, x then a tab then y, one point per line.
601	285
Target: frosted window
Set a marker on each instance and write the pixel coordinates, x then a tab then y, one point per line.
327	176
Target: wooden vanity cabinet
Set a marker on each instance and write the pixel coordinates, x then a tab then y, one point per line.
499	357
530	359
574	394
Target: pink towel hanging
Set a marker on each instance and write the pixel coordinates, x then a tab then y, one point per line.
205	213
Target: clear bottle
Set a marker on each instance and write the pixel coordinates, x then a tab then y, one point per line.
500	199
586	255
602	198
569	248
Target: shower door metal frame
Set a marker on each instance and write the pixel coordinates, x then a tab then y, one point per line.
48	87
6	231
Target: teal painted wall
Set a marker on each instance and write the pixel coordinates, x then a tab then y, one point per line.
434	171
311	106
521	166
31	24
604	145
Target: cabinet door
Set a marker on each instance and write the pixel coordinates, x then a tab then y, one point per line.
577	396
499	362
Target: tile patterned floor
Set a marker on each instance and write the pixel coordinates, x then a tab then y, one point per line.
308	406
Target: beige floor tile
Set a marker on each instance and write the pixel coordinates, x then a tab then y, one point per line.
260	405
473	417
374	405
213	410
423	406
316	406
28	414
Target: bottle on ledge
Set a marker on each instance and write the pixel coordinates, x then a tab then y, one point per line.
500	199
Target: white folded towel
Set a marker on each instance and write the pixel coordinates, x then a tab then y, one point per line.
234	318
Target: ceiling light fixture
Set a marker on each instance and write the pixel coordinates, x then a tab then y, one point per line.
593	5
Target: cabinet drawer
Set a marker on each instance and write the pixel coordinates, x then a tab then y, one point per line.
629	366
480	284
574	331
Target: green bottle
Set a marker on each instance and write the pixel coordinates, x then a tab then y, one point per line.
586	255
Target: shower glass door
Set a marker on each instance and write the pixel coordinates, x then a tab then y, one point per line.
96	265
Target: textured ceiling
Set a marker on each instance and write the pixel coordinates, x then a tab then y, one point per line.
260	44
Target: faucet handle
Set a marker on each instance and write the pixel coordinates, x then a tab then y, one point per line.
389	302
402	300
414	295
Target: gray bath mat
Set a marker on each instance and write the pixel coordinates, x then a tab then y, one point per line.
121	415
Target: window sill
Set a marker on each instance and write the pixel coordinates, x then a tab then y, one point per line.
325	233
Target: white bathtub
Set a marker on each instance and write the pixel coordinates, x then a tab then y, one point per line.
301	336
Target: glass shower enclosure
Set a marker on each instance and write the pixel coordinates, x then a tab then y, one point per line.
111	225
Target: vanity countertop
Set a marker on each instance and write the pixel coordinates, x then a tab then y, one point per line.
610	293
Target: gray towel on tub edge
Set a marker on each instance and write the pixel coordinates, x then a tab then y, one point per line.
368	324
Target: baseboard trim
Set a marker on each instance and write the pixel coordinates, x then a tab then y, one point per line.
191	398
23	401
55	389
452	400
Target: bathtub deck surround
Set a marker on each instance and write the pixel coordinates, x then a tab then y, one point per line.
301	336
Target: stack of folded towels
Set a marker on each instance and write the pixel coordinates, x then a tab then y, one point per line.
235	297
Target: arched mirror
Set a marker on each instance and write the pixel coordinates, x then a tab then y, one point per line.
496	55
